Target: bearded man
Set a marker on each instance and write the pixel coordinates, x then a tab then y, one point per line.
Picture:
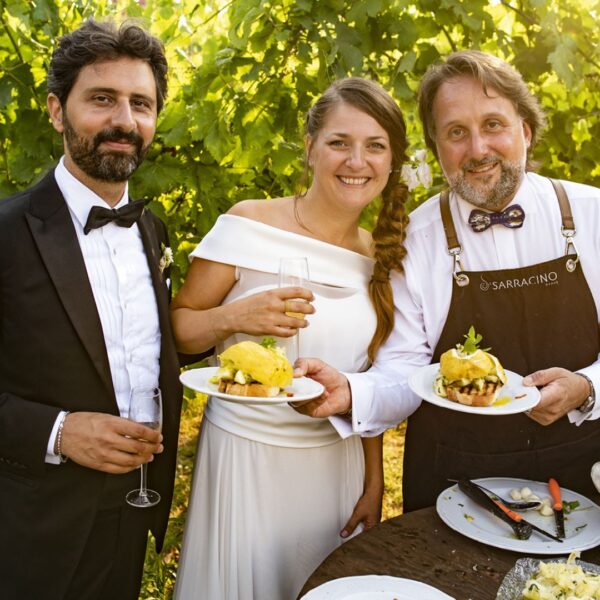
83	322
496	251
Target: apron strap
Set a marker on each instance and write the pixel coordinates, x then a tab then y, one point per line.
568	225
447	221
565	205
454	247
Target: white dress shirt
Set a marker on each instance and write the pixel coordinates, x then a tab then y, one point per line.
120	279
381	397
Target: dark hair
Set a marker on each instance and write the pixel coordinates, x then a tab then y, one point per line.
389	233
95	42
491	72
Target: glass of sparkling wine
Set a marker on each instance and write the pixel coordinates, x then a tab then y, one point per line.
145	407
293	272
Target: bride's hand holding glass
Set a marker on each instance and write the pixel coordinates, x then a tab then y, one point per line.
266	313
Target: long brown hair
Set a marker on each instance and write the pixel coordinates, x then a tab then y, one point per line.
389	233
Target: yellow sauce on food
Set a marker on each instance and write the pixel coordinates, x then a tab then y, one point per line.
502	401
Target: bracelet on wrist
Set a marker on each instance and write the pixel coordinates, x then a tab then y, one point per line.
588	403
59	434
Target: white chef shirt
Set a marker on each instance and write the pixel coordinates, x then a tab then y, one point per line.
381	397
119	276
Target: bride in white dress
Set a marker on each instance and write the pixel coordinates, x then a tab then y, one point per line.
274	492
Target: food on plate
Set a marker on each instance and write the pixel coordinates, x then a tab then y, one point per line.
470	375
545	508
251	369
562	580
525	494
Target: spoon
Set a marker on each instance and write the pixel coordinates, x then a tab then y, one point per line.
512	504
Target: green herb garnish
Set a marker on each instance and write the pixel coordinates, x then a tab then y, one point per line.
472	341
569	507
268	342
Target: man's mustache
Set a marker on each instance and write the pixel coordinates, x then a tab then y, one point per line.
118	135
473	164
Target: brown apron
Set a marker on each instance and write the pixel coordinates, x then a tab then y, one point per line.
533	318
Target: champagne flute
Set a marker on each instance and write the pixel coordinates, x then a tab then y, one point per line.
145	407
293	272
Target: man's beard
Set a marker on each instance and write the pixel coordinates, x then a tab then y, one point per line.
492	197
110	166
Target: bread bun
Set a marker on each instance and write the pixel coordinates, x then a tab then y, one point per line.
255	390
471	396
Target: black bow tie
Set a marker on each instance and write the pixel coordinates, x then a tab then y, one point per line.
512	216
125	216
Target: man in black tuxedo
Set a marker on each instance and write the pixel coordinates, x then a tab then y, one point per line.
83	319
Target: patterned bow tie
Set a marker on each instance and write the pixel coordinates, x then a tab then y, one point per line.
125	216
512	216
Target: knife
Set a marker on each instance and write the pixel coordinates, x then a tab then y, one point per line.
521	527
559	515
473	491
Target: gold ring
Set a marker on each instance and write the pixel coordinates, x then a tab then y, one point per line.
286	307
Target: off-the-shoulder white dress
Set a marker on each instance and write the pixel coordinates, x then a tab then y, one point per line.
272	488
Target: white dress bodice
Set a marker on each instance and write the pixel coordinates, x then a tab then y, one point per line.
339	331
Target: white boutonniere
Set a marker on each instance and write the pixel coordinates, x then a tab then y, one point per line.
166	259
417	171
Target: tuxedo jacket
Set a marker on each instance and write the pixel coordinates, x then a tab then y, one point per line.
52	358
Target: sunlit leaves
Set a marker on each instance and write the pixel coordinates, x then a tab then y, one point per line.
244	73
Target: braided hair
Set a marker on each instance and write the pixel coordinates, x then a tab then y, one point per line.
388	239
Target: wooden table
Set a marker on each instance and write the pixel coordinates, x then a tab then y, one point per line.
419	545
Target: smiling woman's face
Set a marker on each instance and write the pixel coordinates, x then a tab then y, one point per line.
350	157
481	142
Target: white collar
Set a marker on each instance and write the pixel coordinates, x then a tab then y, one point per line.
80	198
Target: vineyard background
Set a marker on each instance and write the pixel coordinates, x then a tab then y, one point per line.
242	75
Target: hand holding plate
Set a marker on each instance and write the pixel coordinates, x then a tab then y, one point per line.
336	399
561	392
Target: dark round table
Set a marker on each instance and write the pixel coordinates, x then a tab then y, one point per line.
419	545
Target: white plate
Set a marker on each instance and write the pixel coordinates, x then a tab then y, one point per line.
514	396
302	388
375	587
459	512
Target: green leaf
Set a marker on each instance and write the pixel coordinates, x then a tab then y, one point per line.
407	62
472	340
581	132
268	342
5	92
352	56
374	7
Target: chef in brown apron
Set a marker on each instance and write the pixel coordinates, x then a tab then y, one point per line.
533	296
530	327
